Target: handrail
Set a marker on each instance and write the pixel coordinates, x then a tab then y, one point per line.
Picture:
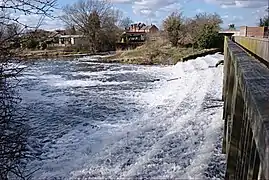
258	46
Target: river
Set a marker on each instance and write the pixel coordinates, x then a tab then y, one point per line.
96	120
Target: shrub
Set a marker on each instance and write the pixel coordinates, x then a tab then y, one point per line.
173	27
44	45
32	44
208	37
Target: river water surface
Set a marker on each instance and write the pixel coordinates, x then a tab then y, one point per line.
95	120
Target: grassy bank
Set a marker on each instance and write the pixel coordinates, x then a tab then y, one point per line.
157	52
151	53
35	54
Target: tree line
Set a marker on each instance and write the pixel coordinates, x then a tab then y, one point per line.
103	25
200	31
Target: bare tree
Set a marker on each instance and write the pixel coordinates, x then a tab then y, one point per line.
264	21
96	19
70	29
126	22
14	149
173	26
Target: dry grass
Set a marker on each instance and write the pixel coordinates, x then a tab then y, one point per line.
153	52
157	52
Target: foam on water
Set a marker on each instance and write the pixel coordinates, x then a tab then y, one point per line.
168	129
80	83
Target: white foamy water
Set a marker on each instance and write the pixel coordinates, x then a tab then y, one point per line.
125	121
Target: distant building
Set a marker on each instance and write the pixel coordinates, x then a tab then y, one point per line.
143	28
61	32
261	32
136	35
72	40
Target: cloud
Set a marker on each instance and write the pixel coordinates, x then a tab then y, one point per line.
48	23
240	4
199	10
122	1
151	9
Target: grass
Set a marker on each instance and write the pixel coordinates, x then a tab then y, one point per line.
151	53
157	52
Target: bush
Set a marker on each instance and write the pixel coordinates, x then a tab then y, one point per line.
32	44
173	27
198	32
208	37
44	45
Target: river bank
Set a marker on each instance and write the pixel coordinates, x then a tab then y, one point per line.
148	54
56	54
162	58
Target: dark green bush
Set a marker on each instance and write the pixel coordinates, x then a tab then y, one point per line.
44	45
32	44
209	37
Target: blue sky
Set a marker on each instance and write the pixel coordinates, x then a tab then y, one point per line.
243	12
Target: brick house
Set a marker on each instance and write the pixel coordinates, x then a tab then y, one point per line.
138	32
141	27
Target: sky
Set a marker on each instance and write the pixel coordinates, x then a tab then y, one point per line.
240	13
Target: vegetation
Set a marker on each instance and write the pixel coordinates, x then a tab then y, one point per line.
15	151
32	44
97	20
231	27
173	26
126	22
265	20
200	31
157	52
182	38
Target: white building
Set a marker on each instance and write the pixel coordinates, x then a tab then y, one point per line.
72	40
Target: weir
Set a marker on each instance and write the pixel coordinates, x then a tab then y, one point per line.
246	108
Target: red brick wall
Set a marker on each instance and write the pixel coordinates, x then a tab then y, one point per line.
153	29
256	32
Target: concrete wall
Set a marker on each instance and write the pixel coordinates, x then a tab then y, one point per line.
246	114
258	46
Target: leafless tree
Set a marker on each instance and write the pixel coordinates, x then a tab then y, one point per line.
96	19
14	149
173	26
126	22
264	21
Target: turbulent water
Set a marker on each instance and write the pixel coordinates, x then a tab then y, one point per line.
95	120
